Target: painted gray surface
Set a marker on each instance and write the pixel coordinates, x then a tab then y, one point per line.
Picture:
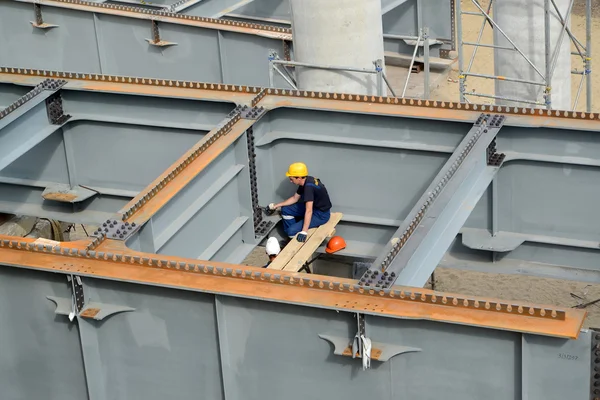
212	199
40	356
375	167
183	344
70	47
159	350
399	16
99	43
114	144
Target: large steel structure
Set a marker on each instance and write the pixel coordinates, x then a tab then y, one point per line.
177	42
125	290
156	303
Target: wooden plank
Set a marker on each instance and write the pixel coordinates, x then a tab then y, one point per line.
312	244
290	250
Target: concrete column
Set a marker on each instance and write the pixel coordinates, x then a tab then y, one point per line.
341	33
523	23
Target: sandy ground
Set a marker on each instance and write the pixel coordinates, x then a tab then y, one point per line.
508	287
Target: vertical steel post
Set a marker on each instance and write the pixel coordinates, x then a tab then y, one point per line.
548	78
426	55
459	43
588	54
271	77
379	69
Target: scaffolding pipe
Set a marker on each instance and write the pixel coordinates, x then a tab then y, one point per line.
426	47
412	61
461	78
576	42
508	39
388	84
588	55
503	78
503	98
321	66
286	78
492	46
578	92
561	37
548	91
479	38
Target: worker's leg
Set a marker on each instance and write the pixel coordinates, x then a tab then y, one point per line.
319	218
293	218
292	225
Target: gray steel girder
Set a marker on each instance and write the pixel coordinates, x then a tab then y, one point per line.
509	224
111	147
120	45
182	344
424	237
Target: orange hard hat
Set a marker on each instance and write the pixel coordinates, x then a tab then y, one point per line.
336	243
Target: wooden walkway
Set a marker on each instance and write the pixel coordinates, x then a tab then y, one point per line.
295	253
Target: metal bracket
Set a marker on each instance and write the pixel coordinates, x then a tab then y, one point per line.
493	157
595	367
286	50
115	229
381	352
39	20
77	306
92	310
252	112
156	40
67	194
54	106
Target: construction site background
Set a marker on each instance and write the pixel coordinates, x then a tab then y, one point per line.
444	86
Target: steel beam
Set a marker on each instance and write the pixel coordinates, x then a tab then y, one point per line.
135	351
101	127
424	237
407	142
29	120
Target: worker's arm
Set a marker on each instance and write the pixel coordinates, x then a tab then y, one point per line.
307	216
292	200
301	237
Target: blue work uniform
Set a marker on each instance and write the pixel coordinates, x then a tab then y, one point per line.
293	216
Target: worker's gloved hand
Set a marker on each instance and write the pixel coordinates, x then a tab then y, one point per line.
301	236
270	209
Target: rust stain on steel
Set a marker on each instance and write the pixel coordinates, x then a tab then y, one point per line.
314	290
60	196
274	98
186	175
173	18
90	312
437	110
259	287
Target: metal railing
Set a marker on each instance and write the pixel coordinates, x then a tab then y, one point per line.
275	62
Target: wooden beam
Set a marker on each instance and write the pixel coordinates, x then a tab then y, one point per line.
296	253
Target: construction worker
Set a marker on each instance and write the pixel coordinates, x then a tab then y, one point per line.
308	208
272	249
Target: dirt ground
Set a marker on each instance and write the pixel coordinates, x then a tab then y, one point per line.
511	287
484	62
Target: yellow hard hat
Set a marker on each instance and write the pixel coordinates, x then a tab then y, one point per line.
297	169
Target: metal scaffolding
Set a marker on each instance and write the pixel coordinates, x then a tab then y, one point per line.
584	52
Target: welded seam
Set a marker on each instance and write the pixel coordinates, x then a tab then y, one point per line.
263	92
280	277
